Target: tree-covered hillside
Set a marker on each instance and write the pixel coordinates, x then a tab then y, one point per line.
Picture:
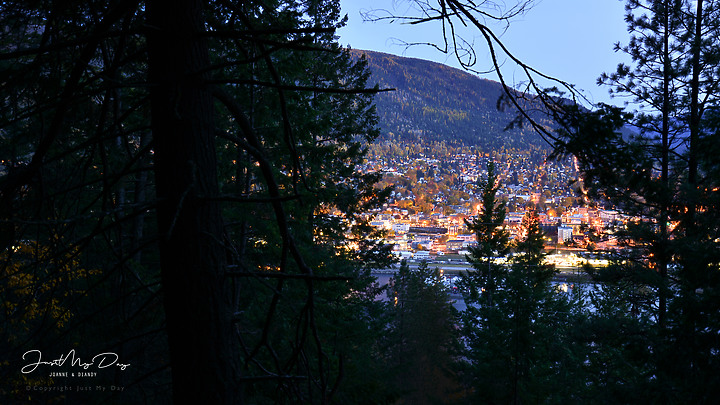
434	102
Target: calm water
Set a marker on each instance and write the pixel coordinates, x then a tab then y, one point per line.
457	299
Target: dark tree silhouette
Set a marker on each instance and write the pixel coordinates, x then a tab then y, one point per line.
179	185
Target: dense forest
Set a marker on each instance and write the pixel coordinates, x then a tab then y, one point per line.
182	215
179	189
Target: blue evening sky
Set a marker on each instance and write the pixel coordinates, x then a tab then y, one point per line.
568	39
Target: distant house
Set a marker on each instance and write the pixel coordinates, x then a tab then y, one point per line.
564	233
550	231
514	217
400	228
466	237
427	230
454	245
381	224
608	215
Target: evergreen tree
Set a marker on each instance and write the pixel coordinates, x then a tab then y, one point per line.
662	50
516	338
422	339
200	162
669	241
493	241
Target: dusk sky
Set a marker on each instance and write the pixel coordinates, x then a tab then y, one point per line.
568	39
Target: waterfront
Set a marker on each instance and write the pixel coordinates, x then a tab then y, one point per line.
565	280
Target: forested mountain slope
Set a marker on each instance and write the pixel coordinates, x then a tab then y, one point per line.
433	102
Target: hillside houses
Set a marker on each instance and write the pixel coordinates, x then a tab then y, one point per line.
433	196
439	234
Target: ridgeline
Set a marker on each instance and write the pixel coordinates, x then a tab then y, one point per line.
435	103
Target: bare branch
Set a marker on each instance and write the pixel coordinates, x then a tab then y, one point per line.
457	14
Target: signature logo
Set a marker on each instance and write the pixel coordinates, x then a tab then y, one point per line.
102	360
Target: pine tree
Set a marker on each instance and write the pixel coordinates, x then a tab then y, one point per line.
669	250
515	339
422	339
493	241
203	159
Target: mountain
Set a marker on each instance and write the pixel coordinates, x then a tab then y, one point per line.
433	102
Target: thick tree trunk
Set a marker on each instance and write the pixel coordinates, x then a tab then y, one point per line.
190	225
